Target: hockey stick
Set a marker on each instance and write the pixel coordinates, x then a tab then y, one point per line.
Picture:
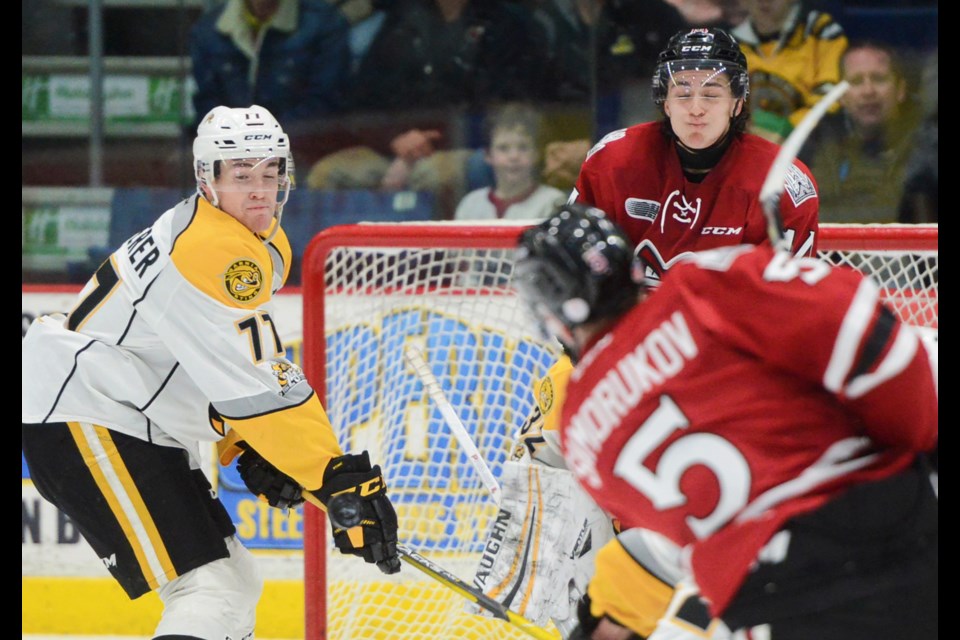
432	385
471	593
345	512
773	184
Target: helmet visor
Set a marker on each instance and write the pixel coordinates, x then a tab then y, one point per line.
686	78
540	287
253	174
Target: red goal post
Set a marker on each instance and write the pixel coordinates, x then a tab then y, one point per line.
370	291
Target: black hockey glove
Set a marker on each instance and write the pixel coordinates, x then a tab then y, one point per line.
266	481
363	520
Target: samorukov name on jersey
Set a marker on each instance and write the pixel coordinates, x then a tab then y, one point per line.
660	356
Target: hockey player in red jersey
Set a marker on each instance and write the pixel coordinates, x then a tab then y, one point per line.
691	181
687	183
764	416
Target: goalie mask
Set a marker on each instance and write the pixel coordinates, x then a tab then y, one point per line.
701	50
574	268
250	144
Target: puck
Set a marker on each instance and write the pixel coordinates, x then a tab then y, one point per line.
344	510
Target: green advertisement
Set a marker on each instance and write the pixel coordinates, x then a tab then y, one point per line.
55	235
47	97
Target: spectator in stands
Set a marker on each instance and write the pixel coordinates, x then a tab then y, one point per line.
449	53
289	56
794	57
858	155
601	55
920	199
513	154
448	60
412	164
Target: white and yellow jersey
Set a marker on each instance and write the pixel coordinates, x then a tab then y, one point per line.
539	436
173	337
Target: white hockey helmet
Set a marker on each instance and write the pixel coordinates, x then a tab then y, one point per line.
241	133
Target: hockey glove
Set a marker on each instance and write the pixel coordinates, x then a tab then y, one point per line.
266	481
587	623
362	518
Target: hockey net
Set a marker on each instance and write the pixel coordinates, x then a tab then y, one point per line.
371	291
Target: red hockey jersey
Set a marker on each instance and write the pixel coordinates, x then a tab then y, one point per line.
750	387
634	175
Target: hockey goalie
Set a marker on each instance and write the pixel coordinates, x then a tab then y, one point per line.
549	539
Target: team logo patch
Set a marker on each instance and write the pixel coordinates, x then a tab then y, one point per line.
244	280
545	396
798	186
287	374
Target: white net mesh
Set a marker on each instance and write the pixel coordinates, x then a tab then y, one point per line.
381	288
456	306
908	281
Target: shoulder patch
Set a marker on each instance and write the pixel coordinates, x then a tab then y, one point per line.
642	209
243	280
545	395
288	375
798	186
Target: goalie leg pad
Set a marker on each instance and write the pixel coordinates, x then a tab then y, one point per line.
216	600
539	551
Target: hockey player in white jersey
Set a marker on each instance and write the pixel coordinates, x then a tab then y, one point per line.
170	346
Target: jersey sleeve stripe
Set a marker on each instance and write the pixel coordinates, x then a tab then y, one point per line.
875	343
901	354
843	457
852	329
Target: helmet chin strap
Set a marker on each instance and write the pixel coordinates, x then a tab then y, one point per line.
278	215
214	196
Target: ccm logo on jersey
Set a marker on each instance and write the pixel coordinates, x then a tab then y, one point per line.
721	231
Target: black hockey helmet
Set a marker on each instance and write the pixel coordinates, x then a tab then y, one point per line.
575	267
698	49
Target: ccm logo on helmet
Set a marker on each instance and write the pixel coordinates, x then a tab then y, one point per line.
258	136
693	48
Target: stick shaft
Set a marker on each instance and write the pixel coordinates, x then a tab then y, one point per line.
773	184
471	593
452	582
450	417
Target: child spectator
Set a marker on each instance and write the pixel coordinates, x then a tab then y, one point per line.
513	154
